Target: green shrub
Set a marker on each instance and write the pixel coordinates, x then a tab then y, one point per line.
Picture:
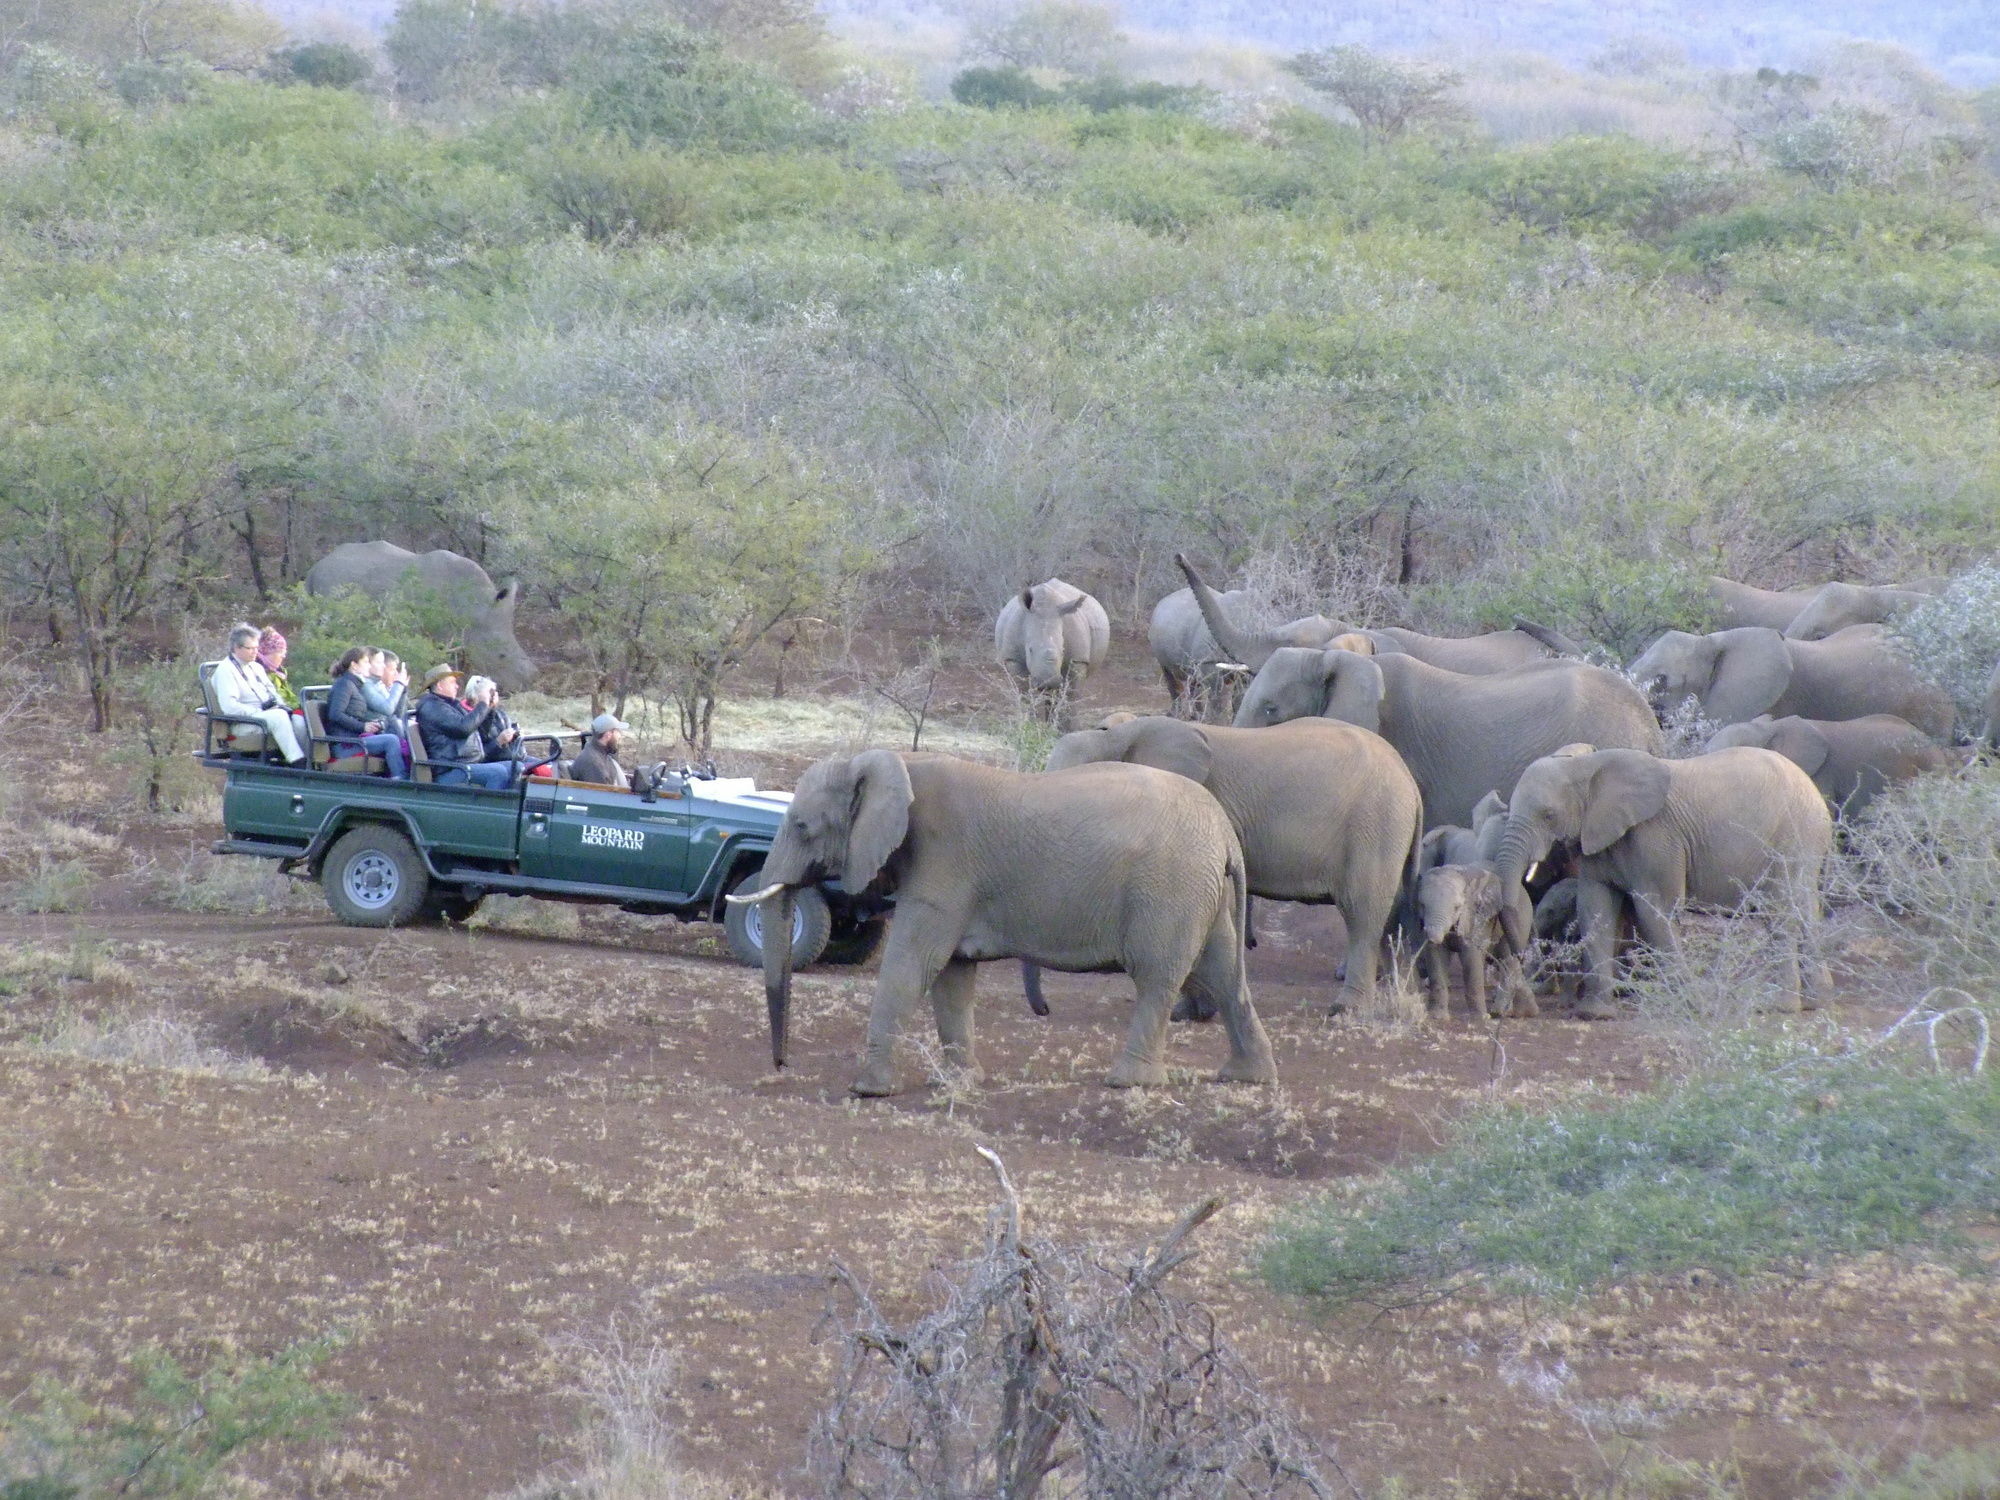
1590	184
1107	92
1000	88
666	83
414	622
1593	592
176	1434
610	189
1734	1173
1954	639
329	65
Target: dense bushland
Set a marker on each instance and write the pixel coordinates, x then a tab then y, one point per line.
498	307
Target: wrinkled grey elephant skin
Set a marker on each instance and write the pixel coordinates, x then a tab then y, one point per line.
1838	605
1718	830
1327	814
486	610
1461	736
1459	909
1739	604
1049	638
1734	675
1851	761
1088	870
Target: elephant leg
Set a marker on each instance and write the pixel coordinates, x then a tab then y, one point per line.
1144	1060
1473	956
910	962
1516	996
951	1003
1218	974
1437	980
1652	914
1366	923
1597	907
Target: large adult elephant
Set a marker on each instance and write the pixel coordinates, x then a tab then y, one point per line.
1462	736
485	610
1850	760
1739	604
1327	813
1049	638
1835	606
1196	670
1090	869
1713	830
1496	651
1734	675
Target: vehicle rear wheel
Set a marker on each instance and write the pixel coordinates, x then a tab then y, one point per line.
743	926
854	942
374	877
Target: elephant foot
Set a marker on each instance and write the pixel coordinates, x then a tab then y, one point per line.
1252	1068
1596	1010
1190	1009
1338	1008
874	1083
1523	1009
1128	1073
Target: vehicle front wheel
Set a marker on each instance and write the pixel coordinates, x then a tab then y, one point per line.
743	926
374	877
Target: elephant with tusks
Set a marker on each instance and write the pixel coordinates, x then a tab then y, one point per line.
1093	869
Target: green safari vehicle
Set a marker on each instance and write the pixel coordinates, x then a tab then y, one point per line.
398	853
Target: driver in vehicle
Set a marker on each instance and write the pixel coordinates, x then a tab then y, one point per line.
597	762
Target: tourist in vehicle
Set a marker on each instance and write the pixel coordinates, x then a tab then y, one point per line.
243	690
450	733
598	760
271	653
385	684
348	715
499	735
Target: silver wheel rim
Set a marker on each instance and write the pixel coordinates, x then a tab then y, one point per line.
753	924
371	881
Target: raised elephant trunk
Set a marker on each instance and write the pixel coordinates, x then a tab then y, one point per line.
1251	649
777	941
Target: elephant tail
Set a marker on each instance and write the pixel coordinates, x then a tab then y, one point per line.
1555	640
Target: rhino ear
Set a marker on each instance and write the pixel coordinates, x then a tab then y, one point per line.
1074	605
506	595
1171	745
1028	597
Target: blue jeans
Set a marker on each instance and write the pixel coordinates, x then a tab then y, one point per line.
494	775
390	748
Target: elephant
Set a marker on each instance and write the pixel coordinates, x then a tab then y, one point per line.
1194	668
1738	674
1849	760
1462	736
1459	909
1498	651
1327	814
1839	605
1712	830
1049	638
1091	869
1739	604
486	612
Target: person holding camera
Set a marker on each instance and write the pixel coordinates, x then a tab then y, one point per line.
243	690
348	714
499	736
450	733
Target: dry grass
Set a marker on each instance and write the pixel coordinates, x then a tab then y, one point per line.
206	882
524	916
148	1039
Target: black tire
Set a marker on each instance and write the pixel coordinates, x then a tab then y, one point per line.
448	906
374	877
854	942
812	924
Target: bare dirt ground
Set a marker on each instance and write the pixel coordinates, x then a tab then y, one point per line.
476	1142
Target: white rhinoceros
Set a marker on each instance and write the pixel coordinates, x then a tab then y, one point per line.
486	610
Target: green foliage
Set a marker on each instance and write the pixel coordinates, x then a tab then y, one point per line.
1005	87
1387	97
178	1431
160	735
330	65
1599	184
1735	1173
1068	36
413	621
1925	854
1598	595
668	83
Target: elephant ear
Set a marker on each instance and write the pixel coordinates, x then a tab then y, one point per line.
1492	805
1171	745
1752	671
1353	689
1430	853
881	819
1798	741
1622	789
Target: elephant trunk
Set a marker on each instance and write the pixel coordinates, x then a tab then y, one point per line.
1252	650
777	944
1517	856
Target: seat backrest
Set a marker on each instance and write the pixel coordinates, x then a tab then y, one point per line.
320	750
206	672
420	763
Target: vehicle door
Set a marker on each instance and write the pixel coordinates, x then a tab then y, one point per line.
598	835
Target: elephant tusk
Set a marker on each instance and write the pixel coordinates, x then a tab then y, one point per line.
1527	874
755	896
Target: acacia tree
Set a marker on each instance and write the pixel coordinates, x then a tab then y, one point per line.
1388	98
671	572
1072	36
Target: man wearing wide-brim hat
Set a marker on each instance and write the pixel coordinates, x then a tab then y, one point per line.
598	760
450	733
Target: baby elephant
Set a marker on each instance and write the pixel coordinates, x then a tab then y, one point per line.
1459	906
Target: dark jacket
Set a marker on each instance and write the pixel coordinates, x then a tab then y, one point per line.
347	710
497	723
599	766
451	732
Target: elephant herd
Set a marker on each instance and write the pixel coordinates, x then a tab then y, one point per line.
1428	787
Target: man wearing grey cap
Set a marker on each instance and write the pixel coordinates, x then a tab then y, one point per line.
598	760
